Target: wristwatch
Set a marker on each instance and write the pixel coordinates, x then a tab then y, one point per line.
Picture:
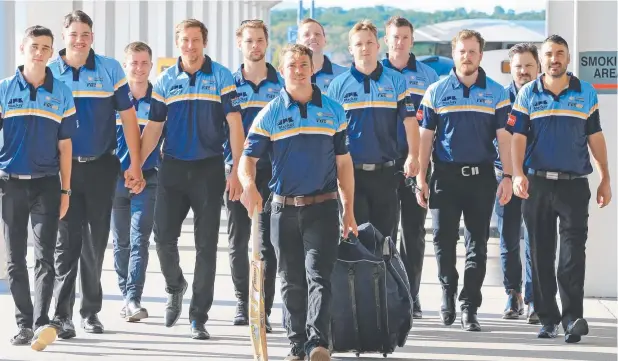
507	176
66	191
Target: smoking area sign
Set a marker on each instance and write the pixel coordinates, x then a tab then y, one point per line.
599	69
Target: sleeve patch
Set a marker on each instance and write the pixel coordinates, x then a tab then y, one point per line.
419	115
512	120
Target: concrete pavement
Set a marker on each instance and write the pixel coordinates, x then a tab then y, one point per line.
428	340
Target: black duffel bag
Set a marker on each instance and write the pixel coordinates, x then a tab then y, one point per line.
371	307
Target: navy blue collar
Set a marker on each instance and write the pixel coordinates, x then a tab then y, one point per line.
574	84
411	65
146	97
375	75
316	97
48	83
481	79
206	66
327	66
271	74
90	63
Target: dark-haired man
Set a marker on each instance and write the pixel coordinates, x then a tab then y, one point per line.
37	121
555	120
100	89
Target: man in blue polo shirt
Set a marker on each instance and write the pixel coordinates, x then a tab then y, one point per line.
194	99
554	120
312	35
399	39
100	89
133	214
460	117
524	61
257	83
375	99
305	134
37	121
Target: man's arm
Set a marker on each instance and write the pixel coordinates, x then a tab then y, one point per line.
150	138
65	148
598	148
246	171
412	136
504	148
518	153
237	136
424	153
345	180
132	135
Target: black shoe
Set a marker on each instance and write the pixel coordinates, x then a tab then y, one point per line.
296	353
43	337
173	306
576	330
269	328
447	311
532	317
548	331
514	306
66	329
92	324
469	321
198	331
417	313
24	337
135	311
242	314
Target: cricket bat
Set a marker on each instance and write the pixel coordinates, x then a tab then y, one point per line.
257	312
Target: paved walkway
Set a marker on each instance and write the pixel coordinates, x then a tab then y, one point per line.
429	340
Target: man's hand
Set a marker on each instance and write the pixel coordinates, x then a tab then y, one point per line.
520	186
505	191
604	193
251	198
134	179
349	224
422	196
233	186
64	205
411	167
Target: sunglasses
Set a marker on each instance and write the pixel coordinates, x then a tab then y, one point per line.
411	182
252	21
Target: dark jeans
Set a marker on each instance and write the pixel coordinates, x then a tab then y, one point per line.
412	245
132	221
83	235
306	241
38	199
509	225
197	185
549	200
451	194
376	200
239	232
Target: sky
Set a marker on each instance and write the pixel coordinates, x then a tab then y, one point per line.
424	5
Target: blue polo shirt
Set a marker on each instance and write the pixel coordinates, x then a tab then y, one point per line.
100	89
303	141
252	99
326	75
512	91
32	121
142	108
194	108
418	76
557	126
375	104
465	119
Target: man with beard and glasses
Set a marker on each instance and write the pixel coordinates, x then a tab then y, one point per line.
465	111
312	35
524	59
555	120
399	38
257	83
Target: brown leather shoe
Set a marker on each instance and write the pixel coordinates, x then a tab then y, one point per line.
319	354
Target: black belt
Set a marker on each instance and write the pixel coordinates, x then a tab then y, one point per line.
81	159
466	170
555	175
301	201
372	167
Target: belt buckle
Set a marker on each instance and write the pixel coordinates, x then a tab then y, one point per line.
81	159
552	175
296	201
368	167
463	171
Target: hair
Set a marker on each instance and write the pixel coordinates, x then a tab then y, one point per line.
310	21
467	34
36	31
79	17
252	24
524	48
399	22
363	25
556	39
191	23
297	49
136	47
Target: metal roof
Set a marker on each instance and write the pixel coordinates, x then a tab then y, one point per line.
492	30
